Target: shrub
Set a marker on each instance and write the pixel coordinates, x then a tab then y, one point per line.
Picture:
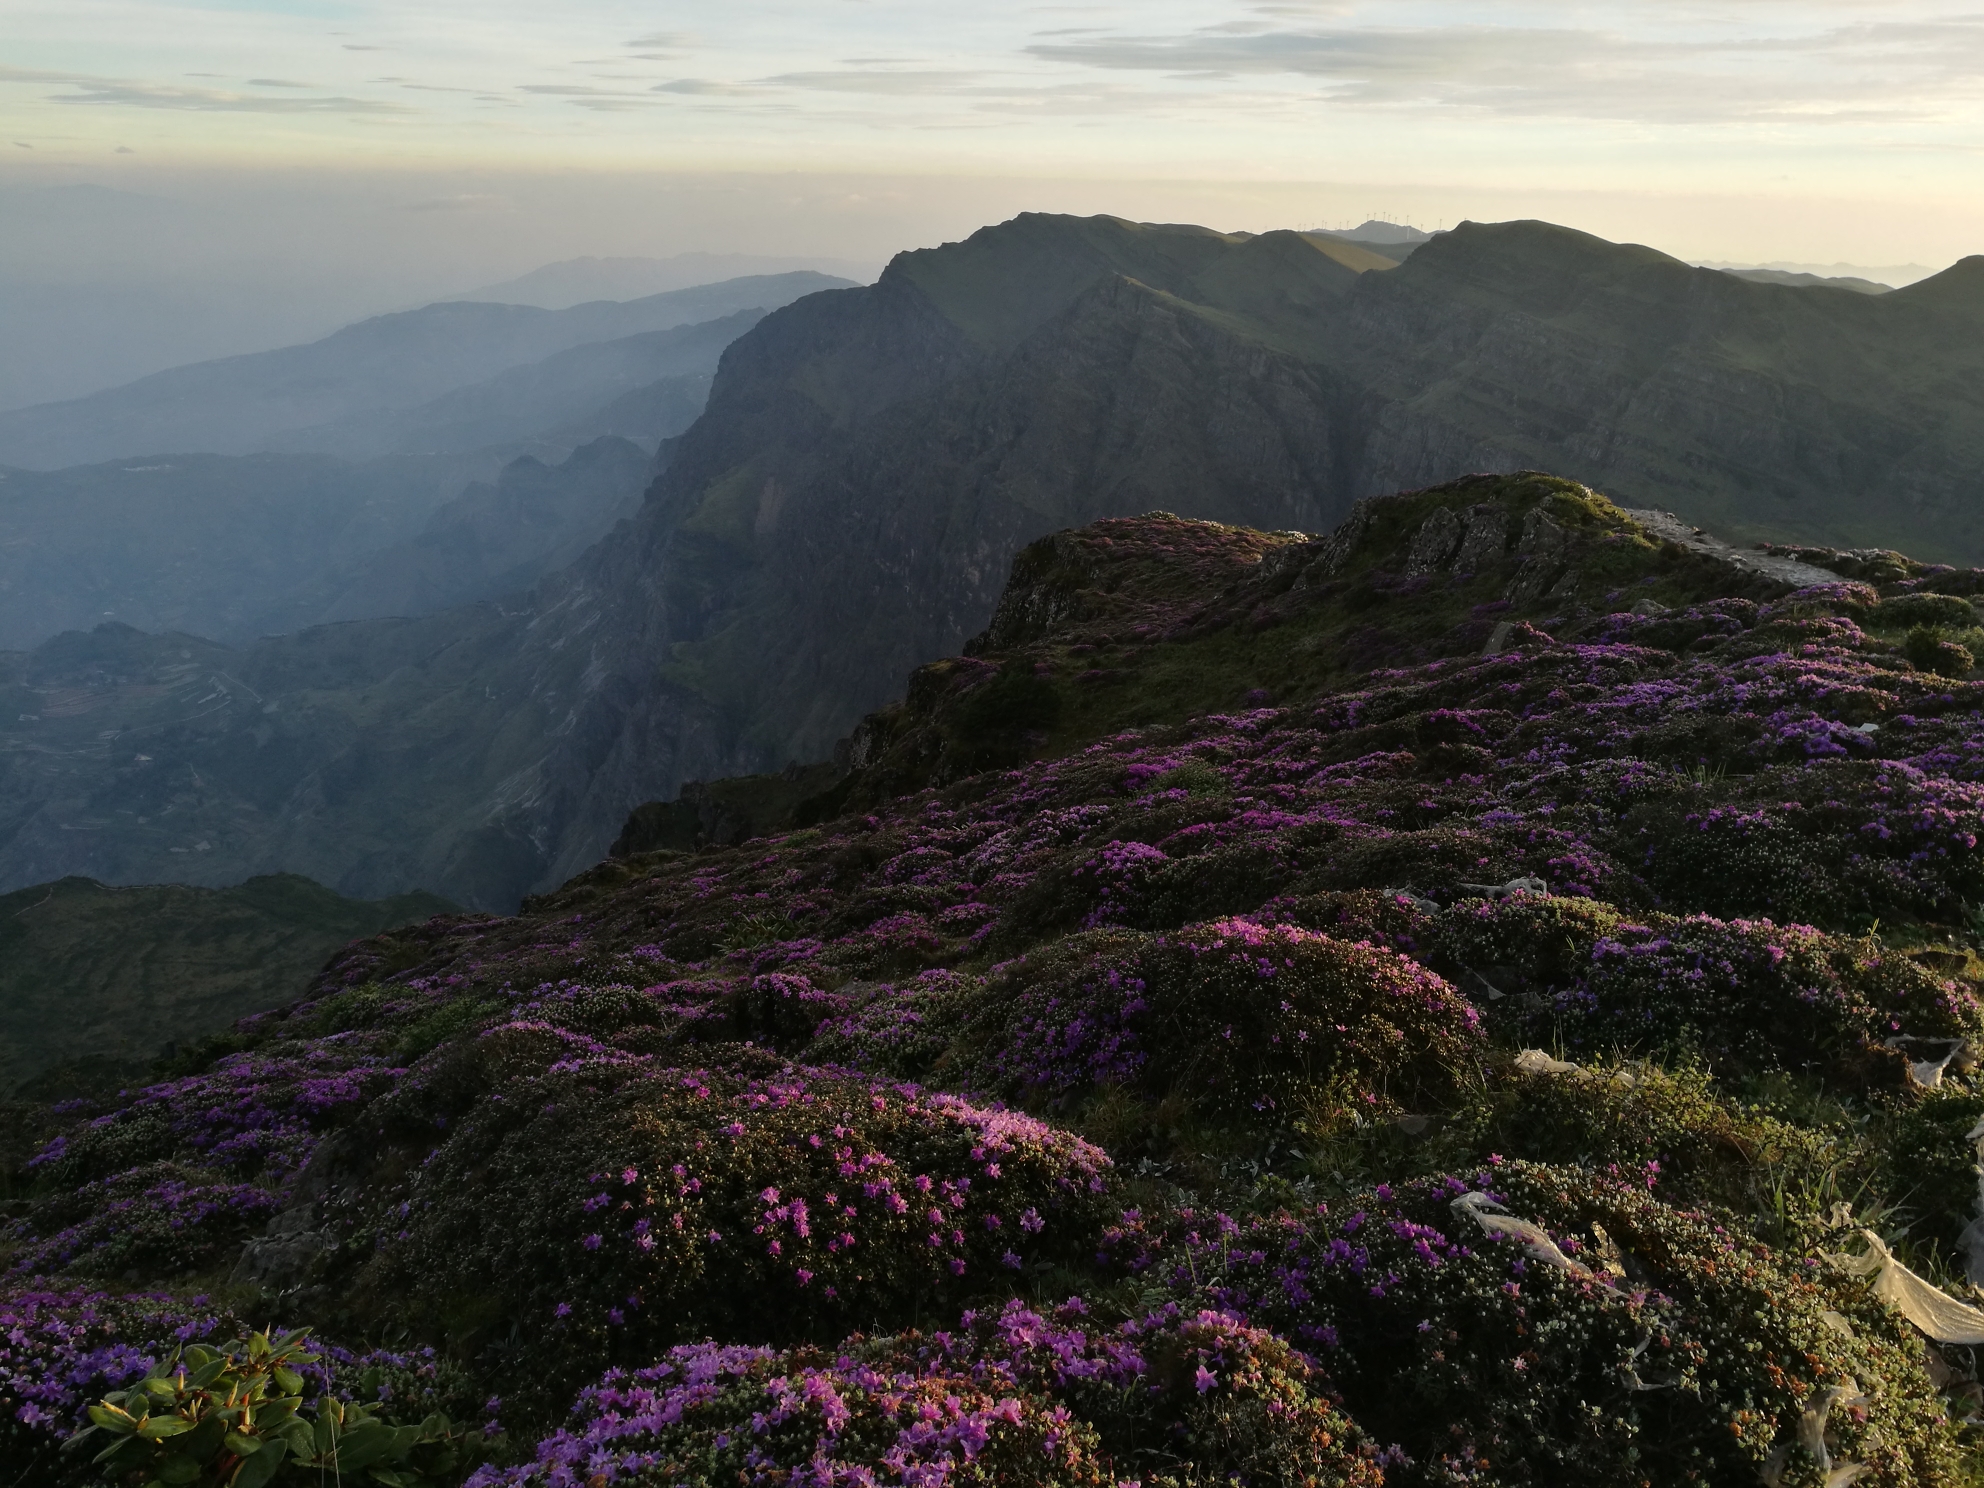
1746	993
1688	1356
1930	1167
1938	611
208	1417
1929	650
607	1209
1237	1015
1010	1397
1705	1147
162	1219
902	1030
60	1351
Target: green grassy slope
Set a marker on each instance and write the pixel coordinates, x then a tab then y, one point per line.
106	977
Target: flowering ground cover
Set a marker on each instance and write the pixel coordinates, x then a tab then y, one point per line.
1129	1070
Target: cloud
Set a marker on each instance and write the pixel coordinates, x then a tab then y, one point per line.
208	100
707	88
274	83
868	80
463	201
604	100
118	93
664	40
1889	70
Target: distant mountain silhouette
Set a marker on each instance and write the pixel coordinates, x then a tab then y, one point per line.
243	404
1374	231
574	281
1810	281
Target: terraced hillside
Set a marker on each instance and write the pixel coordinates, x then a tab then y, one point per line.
1488	996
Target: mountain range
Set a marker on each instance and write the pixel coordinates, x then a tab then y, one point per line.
574	281
333	521
870	459
305	397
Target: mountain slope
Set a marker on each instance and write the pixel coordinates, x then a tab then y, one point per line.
1759	408
1224	1032
232	547
241	404
110	976
540	399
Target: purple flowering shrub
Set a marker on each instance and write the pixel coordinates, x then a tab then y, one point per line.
1010	1397
1758	995
1235	1015
1629	1341
1832	842
903	1030
161	1220
62	1350
609	1207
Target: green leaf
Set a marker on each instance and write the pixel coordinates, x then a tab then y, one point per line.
258	1469
242	1446
178	1469
368	1444
158	1428
206	1374
113	1418
289	1379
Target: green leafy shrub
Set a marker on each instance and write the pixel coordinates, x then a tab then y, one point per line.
1930	1167
1746	993
1938	611
206	1417
902	1030
1666	1349
1706	1148
1929	650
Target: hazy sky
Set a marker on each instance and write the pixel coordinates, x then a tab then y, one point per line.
1750	130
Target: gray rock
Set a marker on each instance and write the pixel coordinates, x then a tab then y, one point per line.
1433	546
282	1257
1541	537
1486	540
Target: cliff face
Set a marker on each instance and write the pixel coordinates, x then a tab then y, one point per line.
1842	418
871	459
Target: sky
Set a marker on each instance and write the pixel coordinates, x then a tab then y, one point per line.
423	146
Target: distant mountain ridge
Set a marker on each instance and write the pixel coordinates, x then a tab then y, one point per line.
574	281
869	461
265	400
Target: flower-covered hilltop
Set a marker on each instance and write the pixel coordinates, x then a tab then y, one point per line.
1486	996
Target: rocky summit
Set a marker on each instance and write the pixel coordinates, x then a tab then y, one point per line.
1488	995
